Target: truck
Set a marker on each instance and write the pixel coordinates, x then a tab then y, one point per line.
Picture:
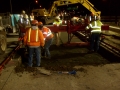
48	16
10	22
8	26
3	39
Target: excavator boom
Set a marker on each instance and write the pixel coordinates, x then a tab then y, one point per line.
85	3
48	16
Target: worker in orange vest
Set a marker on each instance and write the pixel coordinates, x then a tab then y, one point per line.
34	40
48	37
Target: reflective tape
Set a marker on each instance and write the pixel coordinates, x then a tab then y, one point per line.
29	32
37	35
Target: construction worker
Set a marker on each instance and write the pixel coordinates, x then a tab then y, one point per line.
23	23
33	39
95	27
23	13
57	23
48	37
31	17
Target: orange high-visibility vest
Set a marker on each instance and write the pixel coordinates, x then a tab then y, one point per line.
47	33
33	38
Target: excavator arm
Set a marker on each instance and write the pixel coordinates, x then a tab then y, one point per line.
48	16
85	3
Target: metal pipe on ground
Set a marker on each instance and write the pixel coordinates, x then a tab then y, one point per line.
8	58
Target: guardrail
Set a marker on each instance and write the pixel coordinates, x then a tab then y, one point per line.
110	18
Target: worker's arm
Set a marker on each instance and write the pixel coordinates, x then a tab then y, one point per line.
44	31
41	38
88	27
25	38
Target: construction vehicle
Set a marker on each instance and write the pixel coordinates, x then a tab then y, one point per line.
8	26
10	22
47	15
3	39
70	28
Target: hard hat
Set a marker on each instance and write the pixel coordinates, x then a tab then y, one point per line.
40	23
23	11
34	22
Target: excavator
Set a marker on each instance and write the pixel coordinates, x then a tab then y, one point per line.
72	30
48	16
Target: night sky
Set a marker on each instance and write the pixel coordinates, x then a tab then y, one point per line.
19	5
107	7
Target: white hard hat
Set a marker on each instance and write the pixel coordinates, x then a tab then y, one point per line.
23	11
25	16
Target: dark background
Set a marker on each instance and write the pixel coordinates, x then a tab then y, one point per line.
107	7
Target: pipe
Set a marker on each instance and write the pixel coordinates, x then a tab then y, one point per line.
8	58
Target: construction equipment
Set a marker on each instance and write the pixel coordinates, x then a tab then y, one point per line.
10	22
48	16
3	39
77	29
8	26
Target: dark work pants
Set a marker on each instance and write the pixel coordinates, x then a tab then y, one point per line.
95	41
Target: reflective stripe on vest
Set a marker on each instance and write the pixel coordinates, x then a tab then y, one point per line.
47	33
57	23
37	35
95	27
36	39
29	32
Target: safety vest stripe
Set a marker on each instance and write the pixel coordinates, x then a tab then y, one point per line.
96	31
95	25
44	32
37	35
29	35
49	33
90	25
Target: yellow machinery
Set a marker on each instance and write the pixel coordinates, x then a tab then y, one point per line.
52	12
